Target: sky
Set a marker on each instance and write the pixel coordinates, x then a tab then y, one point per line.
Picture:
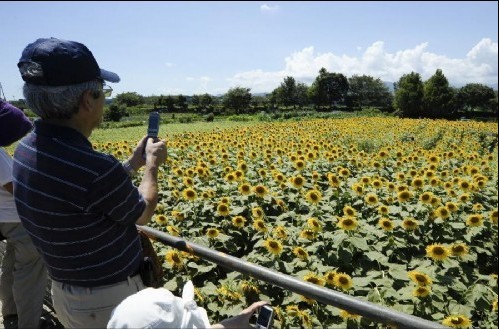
191	47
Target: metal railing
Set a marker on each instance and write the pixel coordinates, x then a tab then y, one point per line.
327	296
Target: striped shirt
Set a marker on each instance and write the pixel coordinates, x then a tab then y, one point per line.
79	207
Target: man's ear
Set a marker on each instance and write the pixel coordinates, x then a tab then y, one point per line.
88	98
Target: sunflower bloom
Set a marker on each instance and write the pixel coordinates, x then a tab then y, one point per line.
173	230
273	246
494	305
174	258
383	210
437	252
347	223
259	225
297	181
260	191
493	216
345	315
189	194
312	278
223	209
442	212
404	196
343	281
239	221
457	321
420	278
314	224
300	253
459	249
386	224
329	277
421	291
410	224
349	211
161	219
280	232
307	234
313	196
371	199
245	189
474	220
257	212
451	206
212	233
426	197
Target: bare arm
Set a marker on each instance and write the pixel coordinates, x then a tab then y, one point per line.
155	155
242	319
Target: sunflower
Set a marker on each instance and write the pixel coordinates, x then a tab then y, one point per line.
345	315
314	224
174	258
313	196
212	233
161	219
376	183
442	212
280	232
464	185
333	180
386	224
260	190
245	189
329	277
464	197
188	181
494	306
238	221
371	199
426	197
421	291
343	281
451	206
349	211
299	164
273	246
173	230
420	278
223	209
305	317
459	249
493	216
257	212
189	194
457	321
297	181
292	310
259	225
474	220
437	252
410	224
347	223
312	278
307	234
404	196
300	253
383	210
358	189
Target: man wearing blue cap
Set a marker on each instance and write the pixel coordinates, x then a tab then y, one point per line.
80	206
23	277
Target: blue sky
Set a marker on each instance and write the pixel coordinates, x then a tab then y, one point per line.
208	47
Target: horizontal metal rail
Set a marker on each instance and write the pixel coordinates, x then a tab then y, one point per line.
321	294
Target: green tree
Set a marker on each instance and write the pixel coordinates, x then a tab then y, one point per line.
182	102
301	94
328	88
169	103
237	99
115	112
438	97
365	91
129	99
287	92
206	101
476	96
409	95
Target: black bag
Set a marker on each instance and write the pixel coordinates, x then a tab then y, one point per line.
151	269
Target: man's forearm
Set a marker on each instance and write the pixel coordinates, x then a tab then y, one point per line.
149	189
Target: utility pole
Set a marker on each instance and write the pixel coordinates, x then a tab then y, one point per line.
2	93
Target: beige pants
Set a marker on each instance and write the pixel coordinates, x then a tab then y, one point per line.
84	307
23	281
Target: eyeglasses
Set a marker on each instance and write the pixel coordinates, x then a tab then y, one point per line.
106	90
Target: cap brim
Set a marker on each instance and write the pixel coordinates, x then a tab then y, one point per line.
109	76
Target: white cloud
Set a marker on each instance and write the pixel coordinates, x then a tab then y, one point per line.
269	8
479	66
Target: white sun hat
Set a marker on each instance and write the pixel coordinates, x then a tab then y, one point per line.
159	308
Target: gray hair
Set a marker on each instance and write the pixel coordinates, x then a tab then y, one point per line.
57	102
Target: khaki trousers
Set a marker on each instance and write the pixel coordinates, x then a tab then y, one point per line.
91	307
23	281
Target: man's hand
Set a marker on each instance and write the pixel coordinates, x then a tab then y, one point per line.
241	320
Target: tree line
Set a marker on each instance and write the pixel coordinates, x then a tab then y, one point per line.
411	97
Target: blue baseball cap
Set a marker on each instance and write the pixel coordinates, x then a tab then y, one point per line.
56	62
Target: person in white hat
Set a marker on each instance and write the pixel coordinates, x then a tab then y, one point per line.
159	308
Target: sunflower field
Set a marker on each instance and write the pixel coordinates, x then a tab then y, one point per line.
399	212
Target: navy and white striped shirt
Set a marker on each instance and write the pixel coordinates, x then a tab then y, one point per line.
78	205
